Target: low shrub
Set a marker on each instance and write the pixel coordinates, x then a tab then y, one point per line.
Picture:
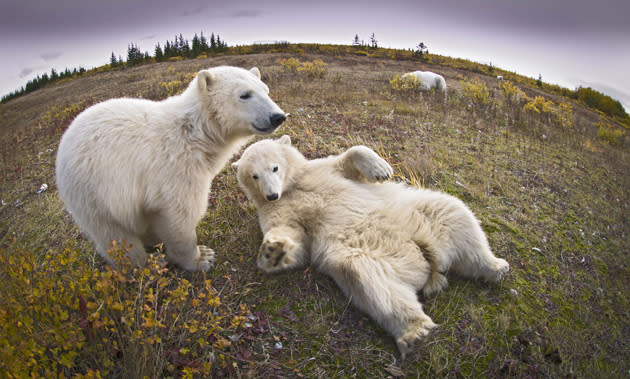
398	83
477	93
609	133
511	93
61	317
290	65
538	105
171	88
562	115
315	69
58	117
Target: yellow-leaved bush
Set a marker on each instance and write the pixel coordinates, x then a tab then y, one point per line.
477	93
609	134
61	317
408	83
315	69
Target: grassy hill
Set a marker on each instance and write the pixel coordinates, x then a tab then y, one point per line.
547	178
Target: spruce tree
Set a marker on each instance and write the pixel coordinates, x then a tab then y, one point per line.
134	55
168	50
112	60
159	54
196	46
203	42
221	45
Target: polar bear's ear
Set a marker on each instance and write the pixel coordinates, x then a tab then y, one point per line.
235	164
255	71
204	80
285	140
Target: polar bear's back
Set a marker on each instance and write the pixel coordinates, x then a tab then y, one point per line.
93	161
429	80
101	139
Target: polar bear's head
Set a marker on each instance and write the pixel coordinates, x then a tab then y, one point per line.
238	100
267	169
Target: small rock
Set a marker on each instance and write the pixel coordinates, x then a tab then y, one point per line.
513	291
278	345
43	188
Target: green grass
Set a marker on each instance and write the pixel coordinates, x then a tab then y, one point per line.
553	200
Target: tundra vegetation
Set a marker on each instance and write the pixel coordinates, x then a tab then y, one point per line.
545	173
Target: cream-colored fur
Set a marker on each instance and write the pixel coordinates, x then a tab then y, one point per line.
428	80
141	170
380	242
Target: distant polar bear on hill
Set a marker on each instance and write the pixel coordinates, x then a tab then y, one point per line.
141	170
380	242
428	80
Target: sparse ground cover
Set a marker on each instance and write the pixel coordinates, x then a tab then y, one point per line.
547	178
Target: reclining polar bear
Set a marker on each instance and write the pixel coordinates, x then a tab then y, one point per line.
380	242
428	80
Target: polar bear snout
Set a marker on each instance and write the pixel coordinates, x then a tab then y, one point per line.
270	124
277	119
273	197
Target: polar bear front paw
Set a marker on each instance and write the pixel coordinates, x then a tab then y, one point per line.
206	258
275	253
498	269
371	165
416	331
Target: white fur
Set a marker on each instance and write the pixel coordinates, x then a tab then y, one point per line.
141	170
428	80
381	242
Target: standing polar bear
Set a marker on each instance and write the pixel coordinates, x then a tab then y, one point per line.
141	170
380	242
427	80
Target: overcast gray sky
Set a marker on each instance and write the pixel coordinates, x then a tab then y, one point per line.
568	42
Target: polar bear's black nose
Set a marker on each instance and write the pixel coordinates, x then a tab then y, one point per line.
277	118
272	197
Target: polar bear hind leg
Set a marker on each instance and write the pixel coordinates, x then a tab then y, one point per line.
375	288
474	259
103	235
453	240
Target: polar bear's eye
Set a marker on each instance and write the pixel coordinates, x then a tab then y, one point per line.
246	95
275	168
255	177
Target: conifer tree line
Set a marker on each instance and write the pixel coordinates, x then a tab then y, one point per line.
178	47
40	81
